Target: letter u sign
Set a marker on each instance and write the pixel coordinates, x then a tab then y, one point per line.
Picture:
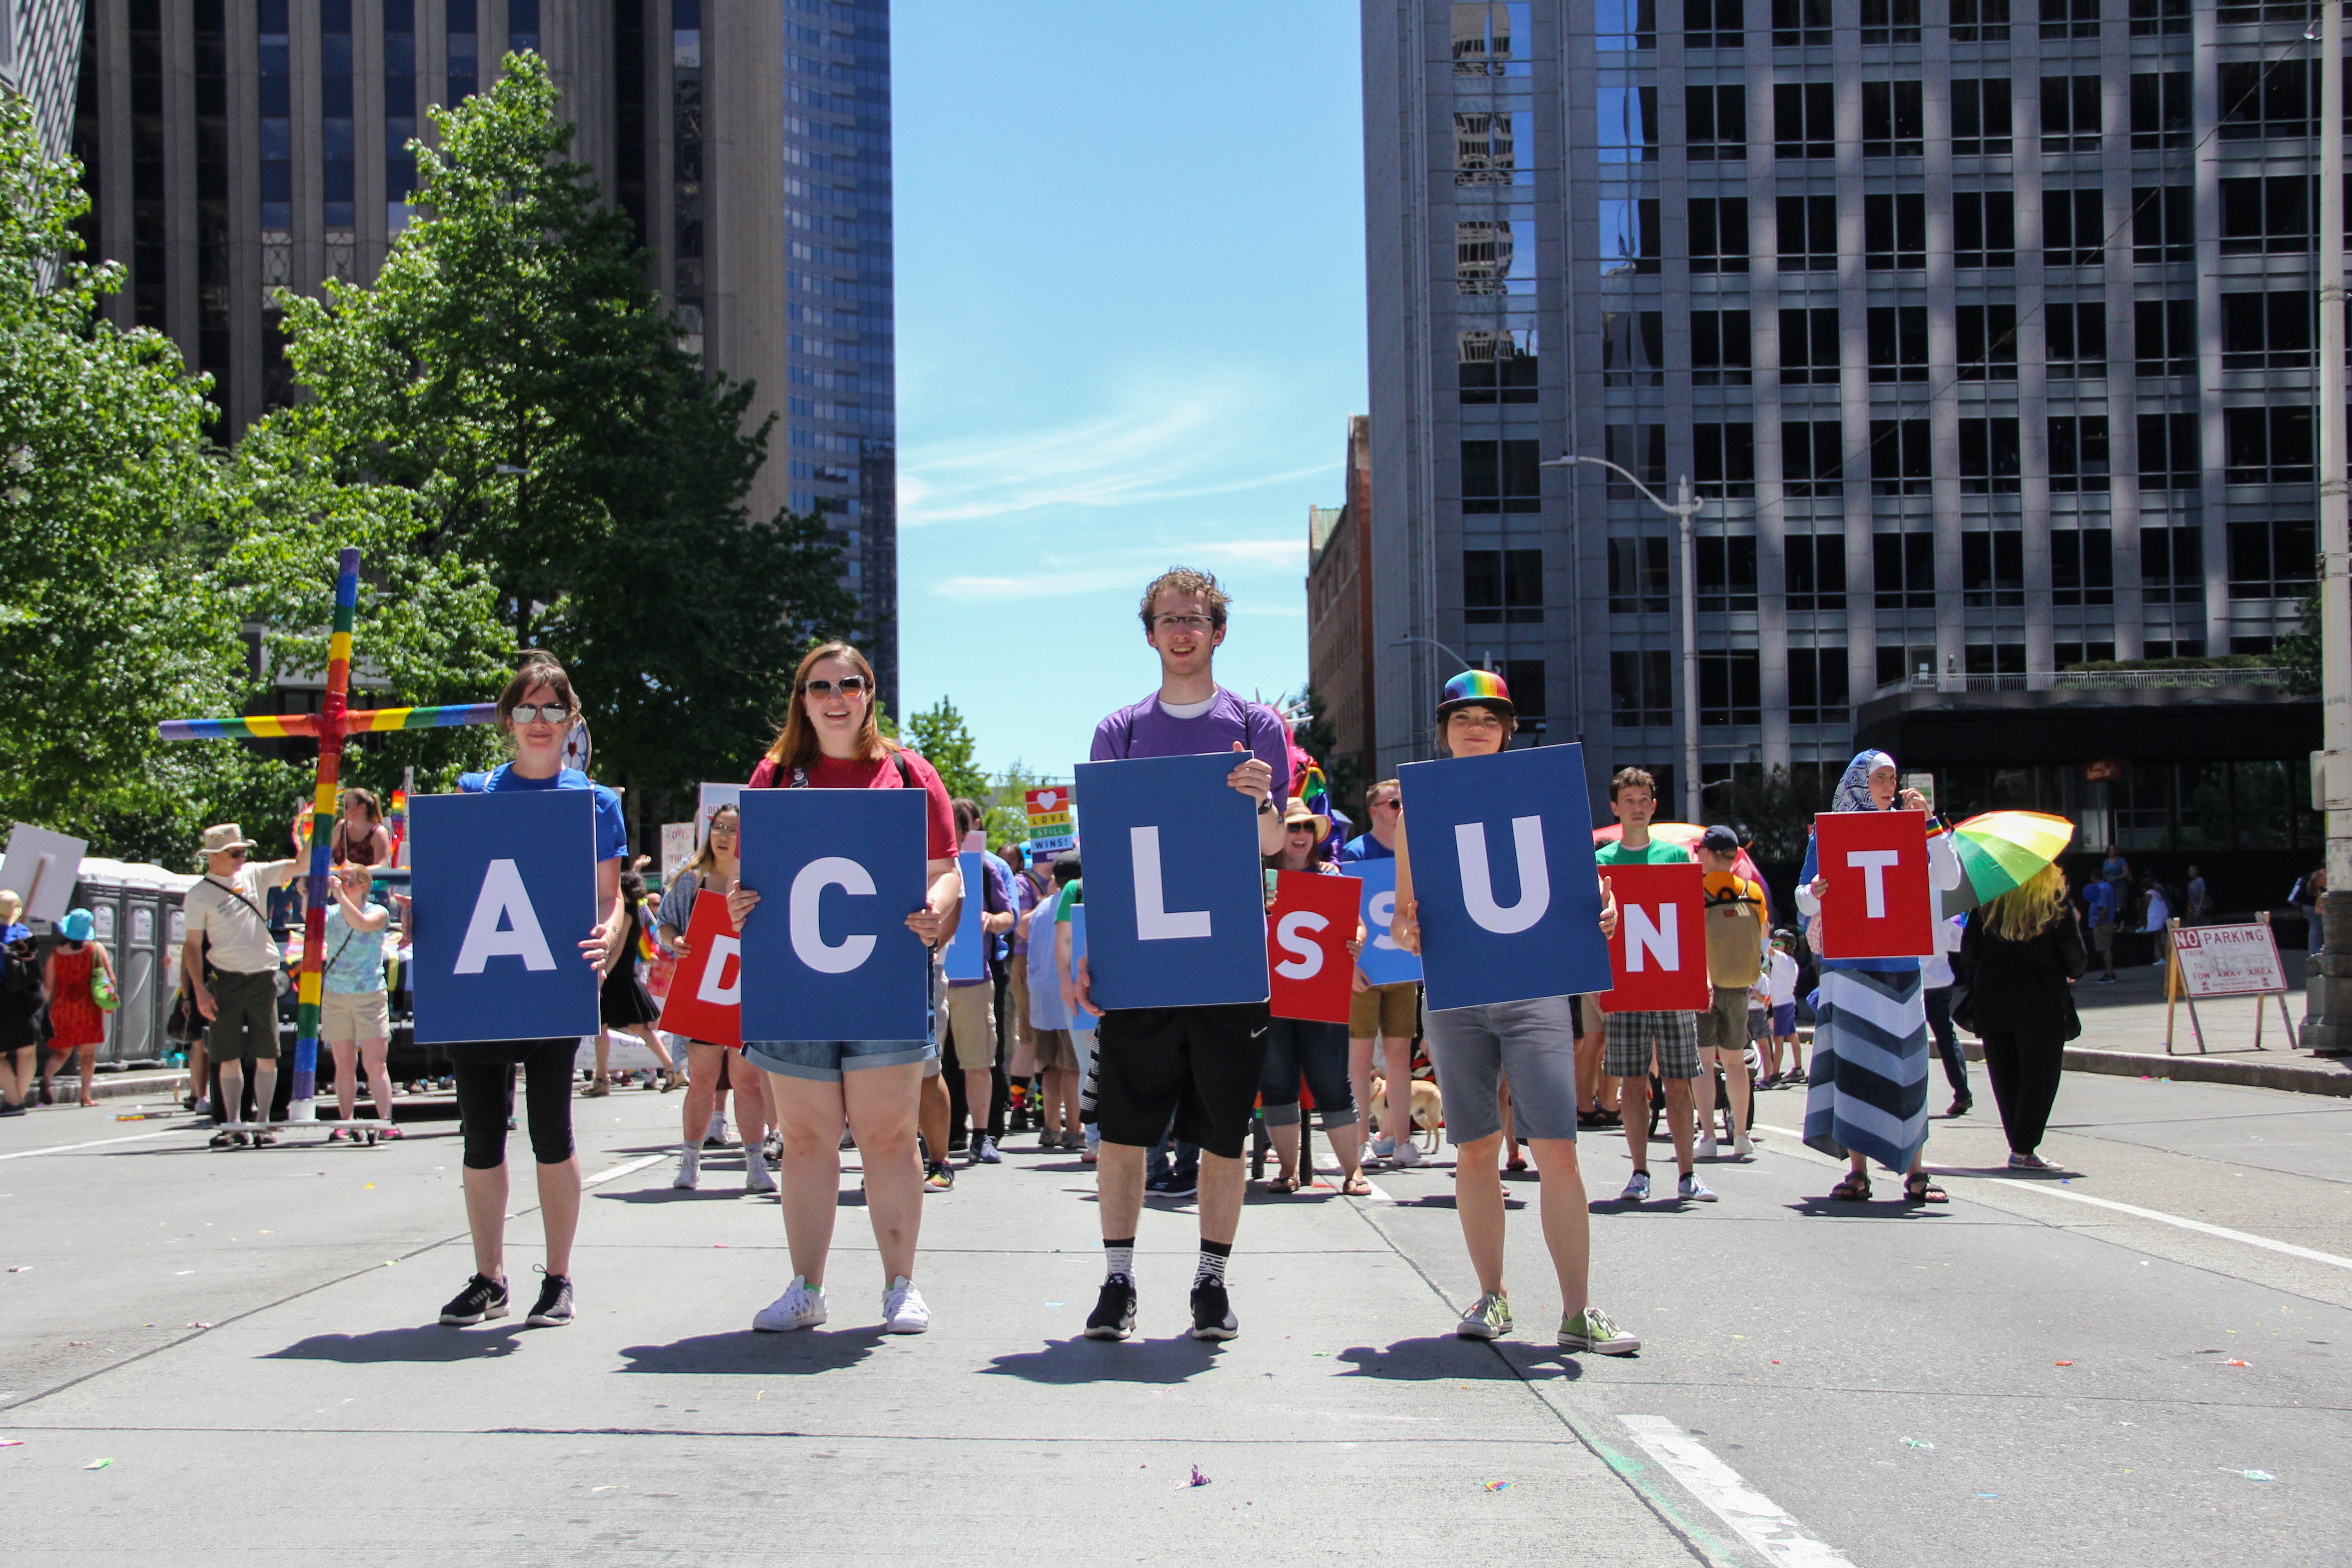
1479	883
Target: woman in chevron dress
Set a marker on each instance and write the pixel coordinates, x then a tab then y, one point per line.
1868	1094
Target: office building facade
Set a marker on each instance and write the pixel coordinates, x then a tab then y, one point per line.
235	147
1338	612
1985	328
39	45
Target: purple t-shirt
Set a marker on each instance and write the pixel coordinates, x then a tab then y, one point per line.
1145	729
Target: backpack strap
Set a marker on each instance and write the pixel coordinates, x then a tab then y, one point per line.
906	773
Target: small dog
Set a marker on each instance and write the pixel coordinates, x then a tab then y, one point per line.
1428	1111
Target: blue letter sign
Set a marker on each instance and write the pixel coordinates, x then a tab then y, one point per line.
1176	905
505	892
827	954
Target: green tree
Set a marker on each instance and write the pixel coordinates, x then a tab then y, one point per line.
938	733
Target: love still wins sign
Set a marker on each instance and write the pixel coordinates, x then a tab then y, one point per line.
505	892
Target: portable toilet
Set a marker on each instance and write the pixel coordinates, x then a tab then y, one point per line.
136	908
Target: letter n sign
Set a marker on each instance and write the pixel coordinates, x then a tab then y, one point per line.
1175	901
1876	904
505	890
1659	954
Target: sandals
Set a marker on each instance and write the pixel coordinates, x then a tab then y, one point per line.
1358	1186
1855	1189
1282	1184
1918	1189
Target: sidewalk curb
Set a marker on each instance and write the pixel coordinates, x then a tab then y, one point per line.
2300	1075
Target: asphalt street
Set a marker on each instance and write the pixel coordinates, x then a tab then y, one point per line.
2145	1358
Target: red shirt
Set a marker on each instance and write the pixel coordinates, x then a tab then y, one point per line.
831	773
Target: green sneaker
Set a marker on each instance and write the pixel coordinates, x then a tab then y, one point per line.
1489	1319
1591	1330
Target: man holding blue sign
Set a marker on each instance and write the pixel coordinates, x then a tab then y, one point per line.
1483	946
1197	1066
971	972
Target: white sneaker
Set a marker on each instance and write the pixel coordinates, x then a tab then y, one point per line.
1691	1190
903	1309
1383	1148
1742	1149
1707	1145
756	1178
689	1170
1407	1154
800	1307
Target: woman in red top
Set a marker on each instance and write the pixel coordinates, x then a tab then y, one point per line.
74	1015
831	741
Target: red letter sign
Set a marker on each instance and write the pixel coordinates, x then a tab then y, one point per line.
1876	902
706	995
1306	937
1658	956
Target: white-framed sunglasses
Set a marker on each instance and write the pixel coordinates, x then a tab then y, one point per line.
541	712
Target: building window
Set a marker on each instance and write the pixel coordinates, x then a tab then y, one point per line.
1714	24
2074	228
1482	30
1719	234
2070	118
1727	573
2161	109
1637	575
1980	123
1984	229
1996	659
2252	12
1629	235
2070	655
1502	585
522	26
1893	120
2150	17
2273	559
2169	455
2262	98
1503	476
2078	452
1980	21
149	267
2076	335
1723	459
1808	347
1625	24
1812	461
1814	570
1498	366
1808	233
2069	18
1899	460
399	111
1716	122
1633	348
213	332
1903	570
2269	446
1804	120
1992	569
1894	232
2266	332
686	156
1898	342
1818	686
1628	124
2171	566
339	170
1731	687
2082	566
1524	677
1905	665
629	61
1487	146
1890	21
1721	351
1800	24
464	51
2266	215
2163	222
1989	464
1988	342
1498	256
1639	449
1642	688
274	64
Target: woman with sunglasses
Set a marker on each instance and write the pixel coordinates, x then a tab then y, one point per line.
714	868
830	740
536	710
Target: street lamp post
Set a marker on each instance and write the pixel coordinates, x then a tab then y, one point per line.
1682	510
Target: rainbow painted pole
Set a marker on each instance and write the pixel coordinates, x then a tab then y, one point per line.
329	727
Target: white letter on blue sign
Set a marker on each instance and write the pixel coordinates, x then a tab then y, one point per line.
808	939
1478	887
504	924
1154	921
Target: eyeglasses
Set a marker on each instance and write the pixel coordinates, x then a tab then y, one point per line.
237	854
848	686
540	714
1182	623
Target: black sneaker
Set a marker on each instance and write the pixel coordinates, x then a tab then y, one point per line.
554	1308
1114	1314
1182	1186
482	1298
1213	1313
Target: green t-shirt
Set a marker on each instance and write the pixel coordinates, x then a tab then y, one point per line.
1073	895
1658	852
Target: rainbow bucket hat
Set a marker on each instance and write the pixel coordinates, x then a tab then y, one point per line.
1481	686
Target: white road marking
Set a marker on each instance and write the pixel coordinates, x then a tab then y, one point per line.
2052	1190
93	1143
1753	1517
637	1164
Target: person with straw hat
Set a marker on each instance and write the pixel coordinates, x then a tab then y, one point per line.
228	926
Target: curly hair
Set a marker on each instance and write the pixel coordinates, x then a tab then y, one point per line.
2025	913
1187	580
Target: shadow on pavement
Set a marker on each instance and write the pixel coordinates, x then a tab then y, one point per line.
1442	1357
1081	1360
430	1342
756	1354
1891	1207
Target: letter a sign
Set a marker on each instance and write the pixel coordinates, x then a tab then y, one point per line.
505	892
1876	903
1307	932
827	954
1175	901
706	993
1501	852
1659	954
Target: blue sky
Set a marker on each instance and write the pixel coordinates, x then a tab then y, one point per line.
1131	313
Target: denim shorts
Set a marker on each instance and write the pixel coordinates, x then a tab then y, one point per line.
825	1061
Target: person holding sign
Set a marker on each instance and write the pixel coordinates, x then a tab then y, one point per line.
2020	955
971	1015
1199	1065
1533	1043
1387	1012
831	739
1736	926
1868	1094
1306	1048
537	711
715	868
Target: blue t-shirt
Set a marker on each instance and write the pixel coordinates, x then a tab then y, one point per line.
611	832
1364	847
2100	899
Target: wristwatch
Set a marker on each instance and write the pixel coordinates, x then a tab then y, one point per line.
1265	807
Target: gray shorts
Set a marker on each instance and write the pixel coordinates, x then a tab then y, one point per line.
1475	1049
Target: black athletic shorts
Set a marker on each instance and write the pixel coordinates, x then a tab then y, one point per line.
1200	1064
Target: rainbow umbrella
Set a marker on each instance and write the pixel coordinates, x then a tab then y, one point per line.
2001	850
1687	834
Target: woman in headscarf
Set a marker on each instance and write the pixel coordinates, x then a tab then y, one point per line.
1868	1095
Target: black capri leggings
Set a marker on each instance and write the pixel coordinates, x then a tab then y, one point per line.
486	1098
1297	1048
